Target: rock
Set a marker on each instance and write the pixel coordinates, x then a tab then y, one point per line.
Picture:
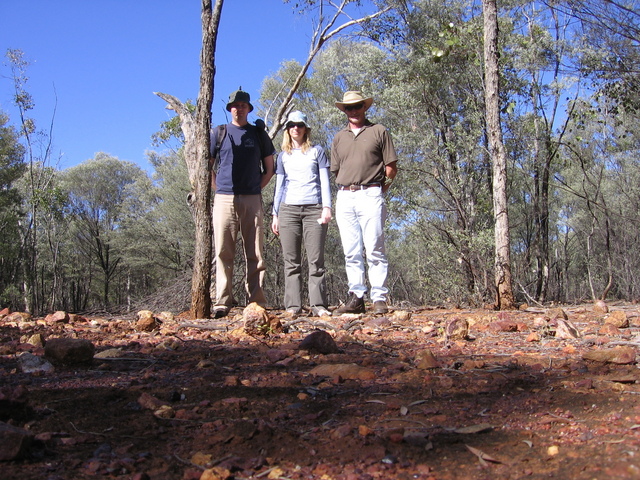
609	329
618	319
109	353
150	402
533	337
14	442
30	363
57	317
557	313
36	340
618	355
165	411
566	330
456	329
426	360
504	326
600	307
401	316
18	317
69	351
540	322
257	321
377	323
14	403
349	371
217	473
319	342
146	321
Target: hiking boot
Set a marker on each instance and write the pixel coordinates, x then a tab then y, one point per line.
380	306
353	305
219	312
320	311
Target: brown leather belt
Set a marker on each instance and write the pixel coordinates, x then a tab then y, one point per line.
355	188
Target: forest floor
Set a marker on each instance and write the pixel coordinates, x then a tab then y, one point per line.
403	397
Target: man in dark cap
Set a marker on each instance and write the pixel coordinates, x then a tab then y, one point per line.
242	166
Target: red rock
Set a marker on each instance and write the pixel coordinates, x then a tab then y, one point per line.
14	442
69	351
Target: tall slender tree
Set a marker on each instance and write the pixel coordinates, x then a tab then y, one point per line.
196	127
503	282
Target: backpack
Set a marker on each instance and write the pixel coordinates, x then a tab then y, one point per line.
221	132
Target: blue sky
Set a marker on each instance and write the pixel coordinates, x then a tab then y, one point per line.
103	61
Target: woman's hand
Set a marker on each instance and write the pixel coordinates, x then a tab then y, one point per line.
326	216
275	225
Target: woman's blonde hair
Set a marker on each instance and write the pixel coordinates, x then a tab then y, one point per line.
287	142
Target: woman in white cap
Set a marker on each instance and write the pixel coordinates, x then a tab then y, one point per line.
301	212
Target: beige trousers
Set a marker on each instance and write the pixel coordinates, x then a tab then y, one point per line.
243	214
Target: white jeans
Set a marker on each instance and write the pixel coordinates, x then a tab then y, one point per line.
360	216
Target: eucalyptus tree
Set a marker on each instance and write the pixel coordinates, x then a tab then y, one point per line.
157	229
601	200
12	167
609	52
537	59
37	180
101	194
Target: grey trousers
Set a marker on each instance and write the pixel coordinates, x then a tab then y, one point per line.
299	223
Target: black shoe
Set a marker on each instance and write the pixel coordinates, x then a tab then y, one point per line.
380	306
219	312
353	305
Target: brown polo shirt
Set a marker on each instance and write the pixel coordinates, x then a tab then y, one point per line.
360	159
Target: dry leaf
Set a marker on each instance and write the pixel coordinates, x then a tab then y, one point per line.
529	443
403	410
481	427
483	458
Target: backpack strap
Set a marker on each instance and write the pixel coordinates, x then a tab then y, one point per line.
221	132
261	133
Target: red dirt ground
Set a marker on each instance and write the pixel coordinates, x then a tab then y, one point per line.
510	401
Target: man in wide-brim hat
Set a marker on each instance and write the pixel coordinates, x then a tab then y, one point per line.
354	98
363	161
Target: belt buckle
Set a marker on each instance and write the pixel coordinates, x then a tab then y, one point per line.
354	188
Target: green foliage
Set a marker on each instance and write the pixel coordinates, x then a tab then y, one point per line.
106	233
170	130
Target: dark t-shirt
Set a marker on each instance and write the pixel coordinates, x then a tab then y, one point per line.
240	168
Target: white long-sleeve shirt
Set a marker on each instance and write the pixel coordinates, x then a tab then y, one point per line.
302	178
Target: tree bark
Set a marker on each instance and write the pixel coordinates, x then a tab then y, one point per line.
196	128
503	281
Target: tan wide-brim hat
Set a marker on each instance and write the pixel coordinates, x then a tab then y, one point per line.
352	97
